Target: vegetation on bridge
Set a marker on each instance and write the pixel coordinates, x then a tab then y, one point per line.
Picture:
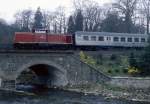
117	64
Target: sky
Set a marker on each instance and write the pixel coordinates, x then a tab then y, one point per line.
9	7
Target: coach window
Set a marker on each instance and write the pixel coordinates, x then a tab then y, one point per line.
108	38
93	38
101	38
143	40
136	39
79	35
129	39
116	39
85	38
123	39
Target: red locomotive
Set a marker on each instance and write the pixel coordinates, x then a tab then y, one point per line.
41	38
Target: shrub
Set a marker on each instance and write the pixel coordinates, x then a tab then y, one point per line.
83	56
100	56
117	70
99	62
132	60
113	57
90	61
133	71
110	64
144	64
100	59
87	59
109	71
125	70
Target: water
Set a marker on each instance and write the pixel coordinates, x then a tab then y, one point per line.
60	97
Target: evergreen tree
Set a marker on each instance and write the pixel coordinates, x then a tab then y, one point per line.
127	8
79	21
71	25
112	23
38	19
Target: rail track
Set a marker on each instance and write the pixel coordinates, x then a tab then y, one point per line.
37	51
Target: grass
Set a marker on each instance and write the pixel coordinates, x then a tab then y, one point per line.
113	65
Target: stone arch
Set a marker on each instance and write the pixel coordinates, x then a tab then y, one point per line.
59	73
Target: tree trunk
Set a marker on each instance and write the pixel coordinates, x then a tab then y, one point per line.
148	24
128	23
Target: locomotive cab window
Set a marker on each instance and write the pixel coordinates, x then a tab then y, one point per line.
85	38
101	38
116	39
129	39
136	39
143	40
40	31
123	39
93	38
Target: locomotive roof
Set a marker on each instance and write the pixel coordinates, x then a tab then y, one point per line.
108	33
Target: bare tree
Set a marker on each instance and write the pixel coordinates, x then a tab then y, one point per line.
55	21
48	19
80	4
127	8
146	12
18	20
92	18
24	19
59	21
92	14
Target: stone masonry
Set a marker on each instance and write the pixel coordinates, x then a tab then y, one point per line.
67	69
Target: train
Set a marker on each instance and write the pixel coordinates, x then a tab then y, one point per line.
41	38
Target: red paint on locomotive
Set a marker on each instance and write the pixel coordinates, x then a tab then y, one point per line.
40	38
23	37
37	38
59	39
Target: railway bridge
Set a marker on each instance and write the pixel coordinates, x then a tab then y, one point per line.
58	68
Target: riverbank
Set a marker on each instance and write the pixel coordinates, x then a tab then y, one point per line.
110	92
59	96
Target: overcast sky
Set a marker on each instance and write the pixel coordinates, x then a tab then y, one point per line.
9	7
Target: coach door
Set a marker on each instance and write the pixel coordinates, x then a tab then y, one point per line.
108	40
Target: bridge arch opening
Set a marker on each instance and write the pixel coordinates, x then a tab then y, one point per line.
42	76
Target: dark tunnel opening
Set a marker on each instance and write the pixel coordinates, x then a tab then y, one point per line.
38	78
40	70
43	76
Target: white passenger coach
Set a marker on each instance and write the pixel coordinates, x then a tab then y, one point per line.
107	39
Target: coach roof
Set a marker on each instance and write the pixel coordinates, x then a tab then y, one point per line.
108	33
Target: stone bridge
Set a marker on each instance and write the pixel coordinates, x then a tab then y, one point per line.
59	68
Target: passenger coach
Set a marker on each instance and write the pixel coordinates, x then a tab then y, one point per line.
106	39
